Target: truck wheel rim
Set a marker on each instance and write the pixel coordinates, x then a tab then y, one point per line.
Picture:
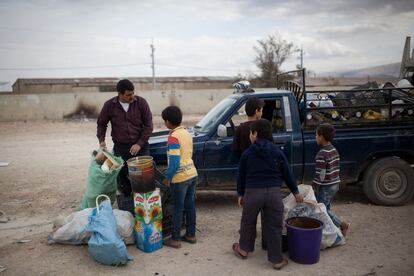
392	183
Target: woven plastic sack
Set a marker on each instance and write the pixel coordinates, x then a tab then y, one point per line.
331	235
73	229
105	245
100	182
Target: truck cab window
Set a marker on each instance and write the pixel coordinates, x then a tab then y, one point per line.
272	111
238	118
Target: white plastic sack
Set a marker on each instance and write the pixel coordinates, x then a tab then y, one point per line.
73	229
289	202
331	235
308	195
125	224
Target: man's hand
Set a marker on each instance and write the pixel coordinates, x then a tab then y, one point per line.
298	198
102	145
240	201
134	149
166	182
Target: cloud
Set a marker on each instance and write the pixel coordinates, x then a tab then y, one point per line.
209	54
319	48
351	30
213	37
343	7
328	49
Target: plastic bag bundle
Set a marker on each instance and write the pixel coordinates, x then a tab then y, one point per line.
105	245
301	210
125	225
73	228
331	234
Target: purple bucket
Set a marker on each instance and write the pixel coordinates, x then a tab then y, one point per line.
304	239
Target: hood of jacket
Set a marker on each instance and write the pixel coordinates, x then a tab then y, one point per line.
262	147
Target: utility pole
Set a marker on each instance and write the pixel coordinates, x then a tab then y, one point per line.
301	56
301	53
153	65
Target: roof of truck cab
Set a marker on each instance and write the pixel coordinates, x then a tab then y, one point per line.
262	93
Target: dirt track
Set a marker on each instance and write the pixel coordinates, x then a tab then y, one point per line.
46	178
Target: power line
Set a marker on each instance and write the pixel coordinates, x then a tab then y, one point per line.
112	66
71	68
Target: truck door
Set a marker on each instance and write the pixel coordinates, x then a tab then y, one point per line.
278	112
219	161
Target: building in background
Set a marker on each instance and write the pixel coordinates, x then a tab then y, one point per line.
84	85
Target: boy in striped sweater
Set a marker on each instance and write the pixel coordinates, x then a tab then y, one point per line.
326	180
181	176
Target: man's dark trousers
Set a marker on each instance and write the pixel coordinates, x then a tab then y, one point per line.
120	149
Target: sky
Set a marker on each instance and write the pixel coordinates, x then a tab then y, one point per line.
102	38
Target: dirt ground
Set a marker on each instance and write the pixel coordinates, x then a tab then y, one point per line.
46	178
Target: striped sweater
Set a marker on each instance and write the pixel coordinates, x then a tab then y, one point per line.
180	153
327	166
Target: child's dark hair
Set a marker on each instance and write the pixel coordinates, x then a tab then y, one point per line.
263	129
252	105
172	114
327	131
124	85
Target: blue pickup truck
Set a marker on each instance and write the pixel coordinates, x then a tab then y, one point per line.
374	137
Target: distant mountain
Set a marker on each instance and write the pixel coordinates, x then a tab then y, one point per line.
387	70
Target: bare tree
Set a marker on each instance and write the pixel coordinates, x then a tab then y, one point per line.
271	53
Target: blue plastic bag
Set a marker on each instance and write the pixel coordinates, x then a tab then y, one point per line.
105	245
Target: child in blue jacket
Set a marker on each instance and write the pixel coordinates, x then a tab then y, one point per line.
263	168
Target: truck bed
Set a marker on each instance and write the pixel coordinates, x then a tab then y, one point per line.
358	107
358	146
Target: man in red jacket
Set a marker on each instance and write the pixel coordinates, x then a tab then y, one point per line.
131	122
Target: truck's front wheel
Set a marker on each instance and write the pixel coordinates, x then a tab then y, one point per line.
389	181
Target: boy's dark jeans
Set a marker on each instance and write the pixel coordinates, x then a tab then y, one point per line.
325	194
183	197
270	201
124	185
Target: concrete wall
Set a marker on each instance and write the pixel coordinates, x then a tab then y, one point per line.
39	86
56	106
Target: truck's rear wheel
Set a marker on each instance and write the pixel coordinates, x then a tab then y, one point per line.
389	181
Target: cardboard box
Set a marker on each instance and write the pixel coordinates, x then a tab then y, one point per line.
148	220
112	163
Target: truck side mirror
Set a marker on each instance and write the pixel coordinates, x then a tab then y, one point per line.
222	131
